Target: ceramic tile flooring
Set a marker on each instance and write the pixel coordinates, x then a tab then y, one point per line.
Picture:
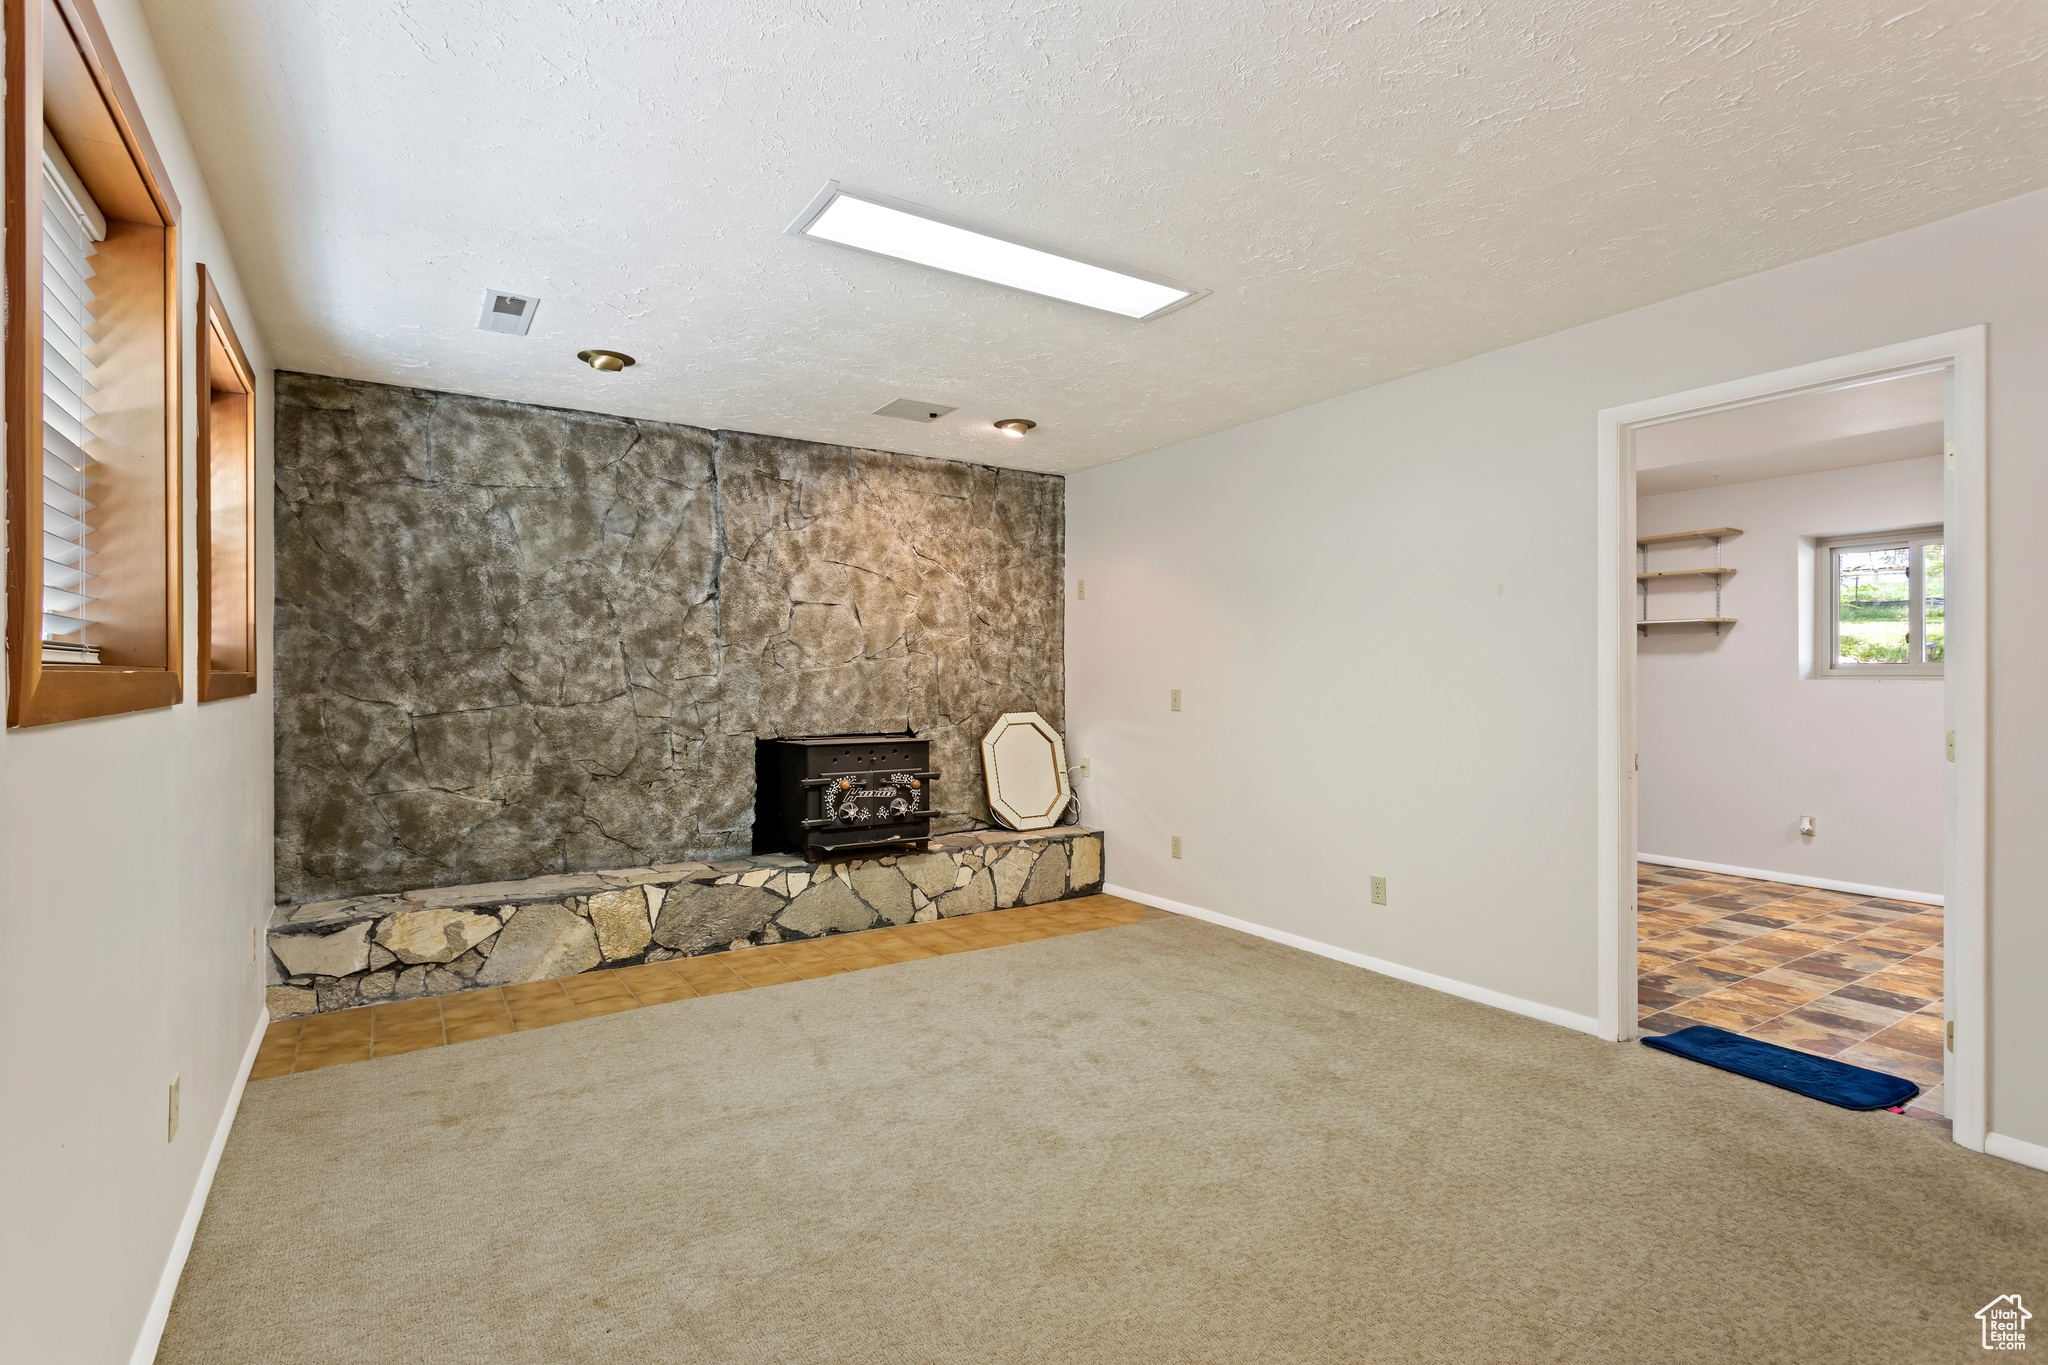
1827	972
321	1040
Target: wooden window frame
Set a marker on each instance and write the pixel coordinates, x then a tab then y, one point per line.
220	684
41	694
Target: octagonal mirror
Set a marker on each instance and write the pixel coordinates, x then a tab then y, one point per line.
1026	767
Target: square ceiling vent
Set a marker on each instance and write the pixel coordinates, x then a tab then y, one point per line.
910	410
504	311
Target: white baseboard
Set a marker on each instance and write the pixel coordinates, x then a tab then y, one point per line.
1549	1014
2012	1149
1890	893
174	1267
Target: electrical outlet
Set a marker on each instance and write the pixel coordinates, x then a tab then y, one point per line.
1379	890
1176	699
252	945
1084	766
1176	845
172	1135
1806	826
1081	590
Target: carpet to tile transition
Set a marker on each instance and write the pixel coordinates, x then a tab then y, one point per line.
1165	1142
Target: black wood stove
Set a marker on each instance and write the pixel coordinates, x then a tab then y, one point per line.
832	794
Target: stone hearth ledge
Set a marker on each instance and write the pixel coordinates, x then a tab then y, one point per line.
337	954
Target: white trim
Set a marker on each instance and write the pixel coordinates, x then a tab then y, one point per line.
174	1267
2012	1149
1549	1014
1964	695
1887	892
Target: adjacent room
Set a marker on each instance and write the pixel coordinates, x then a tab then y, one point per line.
878	684
1791	738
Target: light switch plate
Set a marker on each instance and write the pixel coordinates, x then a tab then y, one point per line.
172	1134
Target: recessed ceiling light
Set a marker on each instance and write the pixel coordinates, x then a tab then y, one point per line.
890	227
1015	426
605	360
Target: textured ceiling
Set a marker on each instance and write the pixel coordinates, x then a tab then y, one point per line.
1369	190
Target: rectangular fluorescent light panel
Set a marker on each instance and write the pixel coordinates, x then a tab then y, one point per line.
889	227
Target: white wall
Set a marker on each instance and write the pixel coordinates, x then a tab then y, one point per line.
125	930
1381	609
1735	744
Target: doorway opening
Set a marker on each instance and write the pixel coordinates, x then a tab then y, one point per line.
1792	692
1789	725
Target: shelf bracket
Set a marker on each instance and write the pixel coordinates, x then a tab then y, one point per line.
1643	584
1717	584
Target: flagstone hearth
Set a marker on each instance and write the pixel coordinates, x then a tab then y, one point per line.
338	954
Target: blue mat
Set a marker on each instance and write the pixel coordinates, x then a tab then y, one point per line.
1851	1087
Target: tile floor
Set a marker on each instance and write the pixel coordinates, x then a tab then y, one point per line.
320	1040
1826	972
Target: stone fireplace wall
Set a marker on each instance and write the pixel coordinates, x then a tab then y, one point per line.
514	640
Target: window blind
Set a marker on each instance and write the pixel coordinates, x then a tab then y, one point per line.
71	224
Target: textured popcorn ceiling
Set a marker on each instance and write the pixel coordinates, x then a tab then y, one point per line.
1370	190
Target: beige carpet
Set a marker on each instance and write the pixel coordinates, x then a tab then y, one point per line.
1164	1142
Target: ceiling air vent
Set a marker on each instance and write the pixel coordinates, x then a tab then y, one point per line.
910	410
507	312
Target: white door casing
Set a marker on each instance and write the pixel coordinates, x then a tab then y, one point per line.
1963	354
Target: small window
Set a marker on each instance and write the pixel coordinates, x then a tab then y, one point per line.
93	432
227	511
1882	612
